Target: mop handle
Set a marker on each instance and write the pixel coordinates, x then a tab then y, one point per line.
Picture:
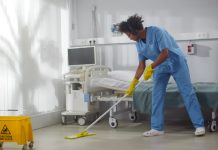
106	112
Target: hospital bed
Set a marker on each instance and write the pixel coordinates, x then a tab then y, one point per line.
109	87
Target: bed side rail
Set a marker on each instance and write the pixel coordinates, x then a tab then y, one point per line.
96	71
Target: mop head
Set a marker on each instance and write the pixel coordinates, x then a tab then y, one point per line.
79	135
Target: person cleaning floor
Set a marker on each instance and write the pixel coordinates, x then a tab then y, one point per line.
158	45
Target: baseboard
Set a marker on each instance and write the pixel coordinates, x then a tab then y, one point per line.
46	119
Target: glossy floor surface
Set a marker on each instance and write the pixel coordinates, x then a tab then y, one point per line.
127	136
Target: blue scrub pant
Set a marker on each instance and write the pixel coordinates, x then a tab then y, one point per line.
181	76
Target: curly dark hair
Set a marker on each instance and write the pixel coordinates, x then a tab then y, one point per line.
132	25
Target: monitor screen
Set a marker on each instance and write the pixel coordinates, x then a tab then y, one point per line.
81	56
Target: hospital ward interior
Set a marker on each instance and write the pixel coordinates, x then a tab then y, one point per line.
108	74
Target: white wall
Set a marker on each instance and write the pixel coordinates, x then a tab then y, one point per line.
33	41
176	15
187	16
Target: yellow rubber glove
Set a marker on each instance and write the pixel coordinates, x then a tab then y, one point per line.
131	87
148	72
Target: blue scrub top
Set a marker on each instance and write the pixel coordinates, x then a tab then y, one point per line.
158	39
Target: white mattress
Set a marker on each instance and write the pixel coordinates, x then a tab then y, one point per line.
116	80
109	83
122	75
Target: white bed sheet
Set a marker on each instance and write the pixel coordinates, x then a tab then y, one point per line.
122	75
109	83
116	80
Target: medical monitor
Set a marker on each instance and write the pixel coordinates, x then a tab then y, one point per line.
80	56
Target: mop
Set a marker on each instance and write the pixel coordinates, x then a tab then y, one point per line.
85	132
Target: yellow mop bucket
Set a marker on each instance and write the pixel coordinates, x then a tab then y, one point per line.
16	129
